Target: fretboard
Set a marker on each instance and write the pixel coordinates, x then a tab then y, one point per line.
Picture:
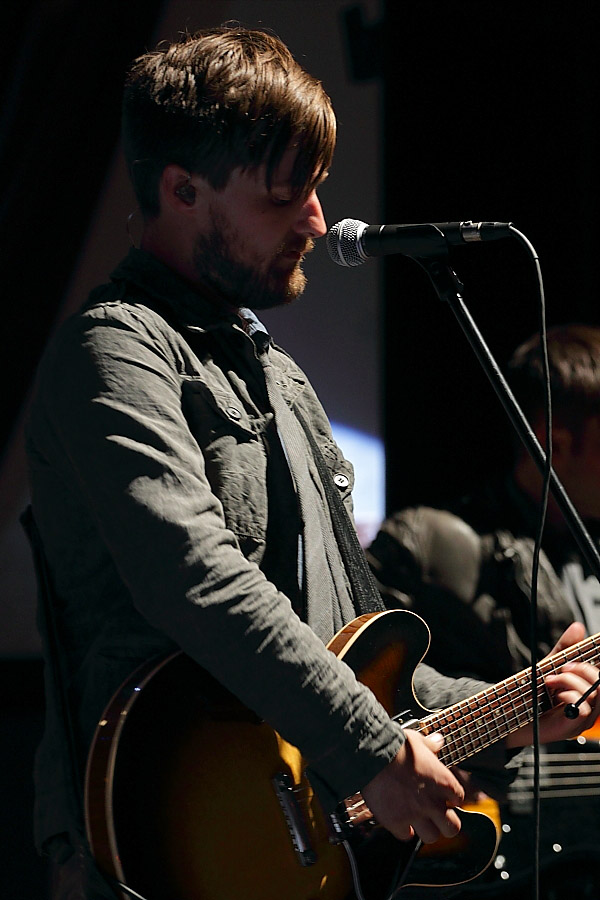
487	717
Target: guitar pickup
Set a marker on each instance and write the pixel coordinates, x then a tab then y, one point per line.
284	789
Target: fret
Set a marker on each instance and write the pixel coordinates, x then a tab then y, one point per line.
554	666
513	696
460	734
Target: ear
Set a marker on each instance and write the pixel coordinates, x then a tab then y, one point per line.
562	447
176	189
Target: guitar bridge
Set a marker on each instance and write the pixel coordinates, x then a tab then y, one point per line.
294	818
352	815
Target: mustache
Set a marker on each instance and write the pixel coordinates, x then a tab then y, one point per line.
303	246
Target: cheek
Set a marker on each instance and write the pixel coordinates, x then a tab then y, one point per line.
262	237
590	461
595	477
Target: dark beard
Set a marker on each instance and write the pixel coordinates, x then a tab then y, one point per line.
235	282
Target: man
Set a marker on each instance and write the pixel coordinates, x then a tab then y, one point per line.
467	570
178	500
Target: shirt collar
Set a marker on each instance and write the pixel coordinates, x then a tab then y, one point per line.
256	329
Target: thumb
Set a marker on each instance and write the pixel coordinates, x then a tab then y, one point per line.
572	635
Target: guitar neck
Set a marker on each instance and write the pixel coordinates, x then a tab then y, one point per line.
491	715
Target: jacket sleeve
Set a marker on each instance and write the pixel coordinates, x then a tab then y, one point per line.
433	562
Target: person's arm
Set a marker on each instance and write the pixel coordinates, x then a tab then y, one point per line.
112	395
461	582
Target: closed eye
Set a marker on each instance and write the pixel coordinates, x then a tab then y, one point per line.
280	201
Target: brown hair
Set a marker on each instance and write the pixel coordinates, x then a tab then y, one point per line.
574	358
220	99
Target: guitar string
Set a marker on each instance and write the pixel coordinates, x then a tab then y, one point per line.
561	775
459	744
357	809
572	788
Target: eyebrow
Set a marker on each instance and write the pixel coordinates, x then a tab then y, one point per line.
313	185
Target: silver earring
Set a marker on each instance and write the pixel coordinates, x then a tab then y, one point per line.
128	226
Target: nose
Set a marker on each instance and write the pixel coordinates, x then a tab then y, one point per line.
311	221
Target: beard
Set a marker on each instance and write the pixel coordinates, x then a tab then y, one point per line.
265	285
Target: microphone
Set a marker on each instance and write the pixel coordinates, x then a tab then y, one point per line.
351	242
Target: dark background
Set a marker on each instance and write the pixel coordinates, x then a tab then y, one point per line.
55	70
490	113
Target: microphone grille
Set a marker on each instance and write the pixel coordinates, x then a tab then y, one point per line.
343	242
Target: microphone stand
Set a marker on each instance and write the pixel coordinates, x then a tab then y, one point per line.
448	288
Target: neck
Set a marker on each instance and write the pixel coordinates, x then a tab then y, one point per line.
169	249
172	253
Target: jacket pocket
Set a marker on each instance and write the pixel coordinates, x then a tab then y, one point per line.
232	445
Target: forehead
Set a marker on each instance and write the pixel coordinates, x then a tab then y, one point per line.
283	175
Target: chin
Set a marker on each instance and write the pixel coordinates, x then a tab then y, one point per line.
280	293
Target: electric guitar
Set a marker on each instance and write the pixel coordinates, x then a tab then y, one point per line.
190	796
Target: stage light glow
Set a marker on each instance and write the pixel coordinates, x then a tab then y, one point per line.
367	455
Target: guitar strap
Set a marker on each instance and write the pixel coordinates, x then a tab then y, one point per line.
364	589
56	688
54	675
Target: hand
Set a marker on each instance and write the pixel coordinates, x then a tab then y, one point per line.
415	793
473	794
568	686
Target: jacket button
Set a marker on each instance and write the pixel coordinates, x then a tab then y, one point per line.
233	413
341	481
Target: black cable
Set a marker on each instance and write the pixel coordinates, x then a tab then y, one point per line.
547	471
449	288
